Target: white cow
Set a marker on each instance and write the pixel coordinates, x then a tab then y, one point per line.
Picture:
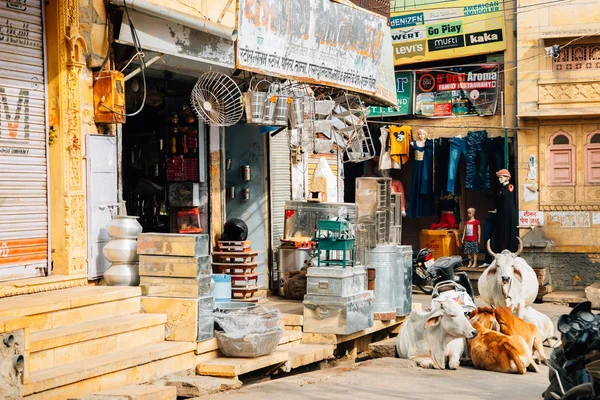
542	322
432	338
509	281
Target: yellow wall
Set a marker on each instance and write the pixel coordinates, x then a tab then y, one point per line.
558	100
76	40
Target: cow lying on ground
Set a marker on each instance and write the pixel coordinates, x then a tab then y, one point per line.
502	320
432	338
495	351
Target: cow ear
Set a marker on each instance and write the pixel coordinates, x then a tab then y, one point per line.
434	321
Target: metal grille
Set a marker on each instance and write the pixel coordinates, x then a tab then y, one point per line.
381	7
578	57
23	162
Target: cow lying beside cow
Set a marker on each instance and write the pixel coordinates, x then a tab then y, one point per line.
435	339
505	343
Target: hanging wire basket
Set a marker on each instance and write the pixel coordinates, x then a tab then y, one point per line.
217	99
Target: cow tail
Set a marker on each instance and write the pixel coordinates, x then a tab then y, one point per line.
514	356
519	362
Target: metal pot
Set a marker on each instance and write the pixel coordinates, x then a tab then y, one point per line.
121	251
122	274
124	227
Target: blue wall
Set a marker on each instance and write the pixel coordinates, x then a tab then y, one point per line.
245	145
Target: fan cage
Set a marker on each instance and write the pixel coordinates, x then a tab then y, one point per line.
222	96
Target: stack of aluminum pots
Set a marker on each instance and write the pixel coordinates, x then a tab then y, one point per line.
121	251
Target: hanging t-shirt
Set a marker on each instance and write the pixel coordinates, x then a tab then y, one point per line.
400	138
471	230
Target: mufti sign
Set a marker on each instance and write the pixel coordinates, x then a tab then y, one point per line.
431	30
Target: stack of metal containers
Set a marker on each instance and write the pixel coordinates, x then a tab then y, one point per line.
337	301
175	275
378	237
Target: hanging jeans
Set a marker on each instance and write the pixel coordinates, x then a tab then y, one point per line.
493	148
477	179
458	146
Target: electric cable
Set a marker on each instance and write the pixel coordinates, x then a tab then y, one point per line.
139	54
427	8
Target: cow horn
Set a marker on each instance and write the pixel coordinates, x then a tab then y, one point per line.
520	249
489	248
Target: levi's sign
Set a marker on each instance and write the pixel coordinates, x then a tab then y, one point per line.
449	28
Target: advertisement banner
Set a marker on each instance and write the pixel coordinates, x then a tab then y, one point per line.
385	87
438	30
404	90
457	91
312	41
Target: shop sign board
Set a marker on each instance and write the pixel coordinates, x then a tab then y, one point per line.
468	90
531	218
404	89
385	87
312	41
430	30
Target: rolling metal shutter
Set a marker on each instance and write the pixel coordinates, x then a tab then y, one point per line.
280	184
23	144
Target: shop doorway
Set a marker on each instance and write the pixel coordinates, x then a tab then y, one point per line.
247	190
164	160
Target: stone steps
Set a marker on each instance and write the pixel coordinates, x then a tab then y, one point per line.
48	310
80	342
109	371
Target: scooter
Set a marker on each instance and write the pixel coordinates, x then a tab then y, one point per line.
573	366
420	277
591	390
448	283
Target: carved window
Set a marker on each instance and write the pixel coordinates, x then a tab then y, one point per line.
578	57
561	160
592	159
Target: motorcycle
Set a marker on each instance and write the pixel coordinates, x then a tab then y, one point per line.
573	366
448	283
420	277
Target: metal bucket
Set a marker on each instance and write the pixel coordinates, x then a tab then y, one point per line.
383	259
270	108
258	106
403	280
297	112
282	109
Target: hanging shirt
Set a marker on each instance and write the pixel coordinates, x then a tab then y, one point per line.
400	137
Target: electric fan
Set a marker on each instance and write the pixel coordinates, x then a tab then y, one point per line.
217	99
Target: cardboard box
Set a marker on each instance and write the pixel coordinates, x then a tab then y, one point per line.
444	243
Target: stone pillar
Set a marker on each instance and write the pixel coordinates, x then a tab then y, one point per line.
66	51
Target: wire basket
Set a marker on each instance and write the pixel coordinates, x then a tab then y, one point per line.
217	99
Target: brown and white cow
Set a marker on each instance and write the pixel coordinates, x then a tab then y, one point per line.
502	320
495	351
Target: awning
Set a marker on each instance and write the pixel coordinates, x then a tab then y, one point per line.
184	49
168	14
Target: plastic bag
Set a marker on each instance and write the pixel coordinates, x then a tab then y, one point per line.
249	333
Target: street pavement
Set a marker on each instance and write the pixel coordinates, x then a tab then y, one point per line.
390	378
